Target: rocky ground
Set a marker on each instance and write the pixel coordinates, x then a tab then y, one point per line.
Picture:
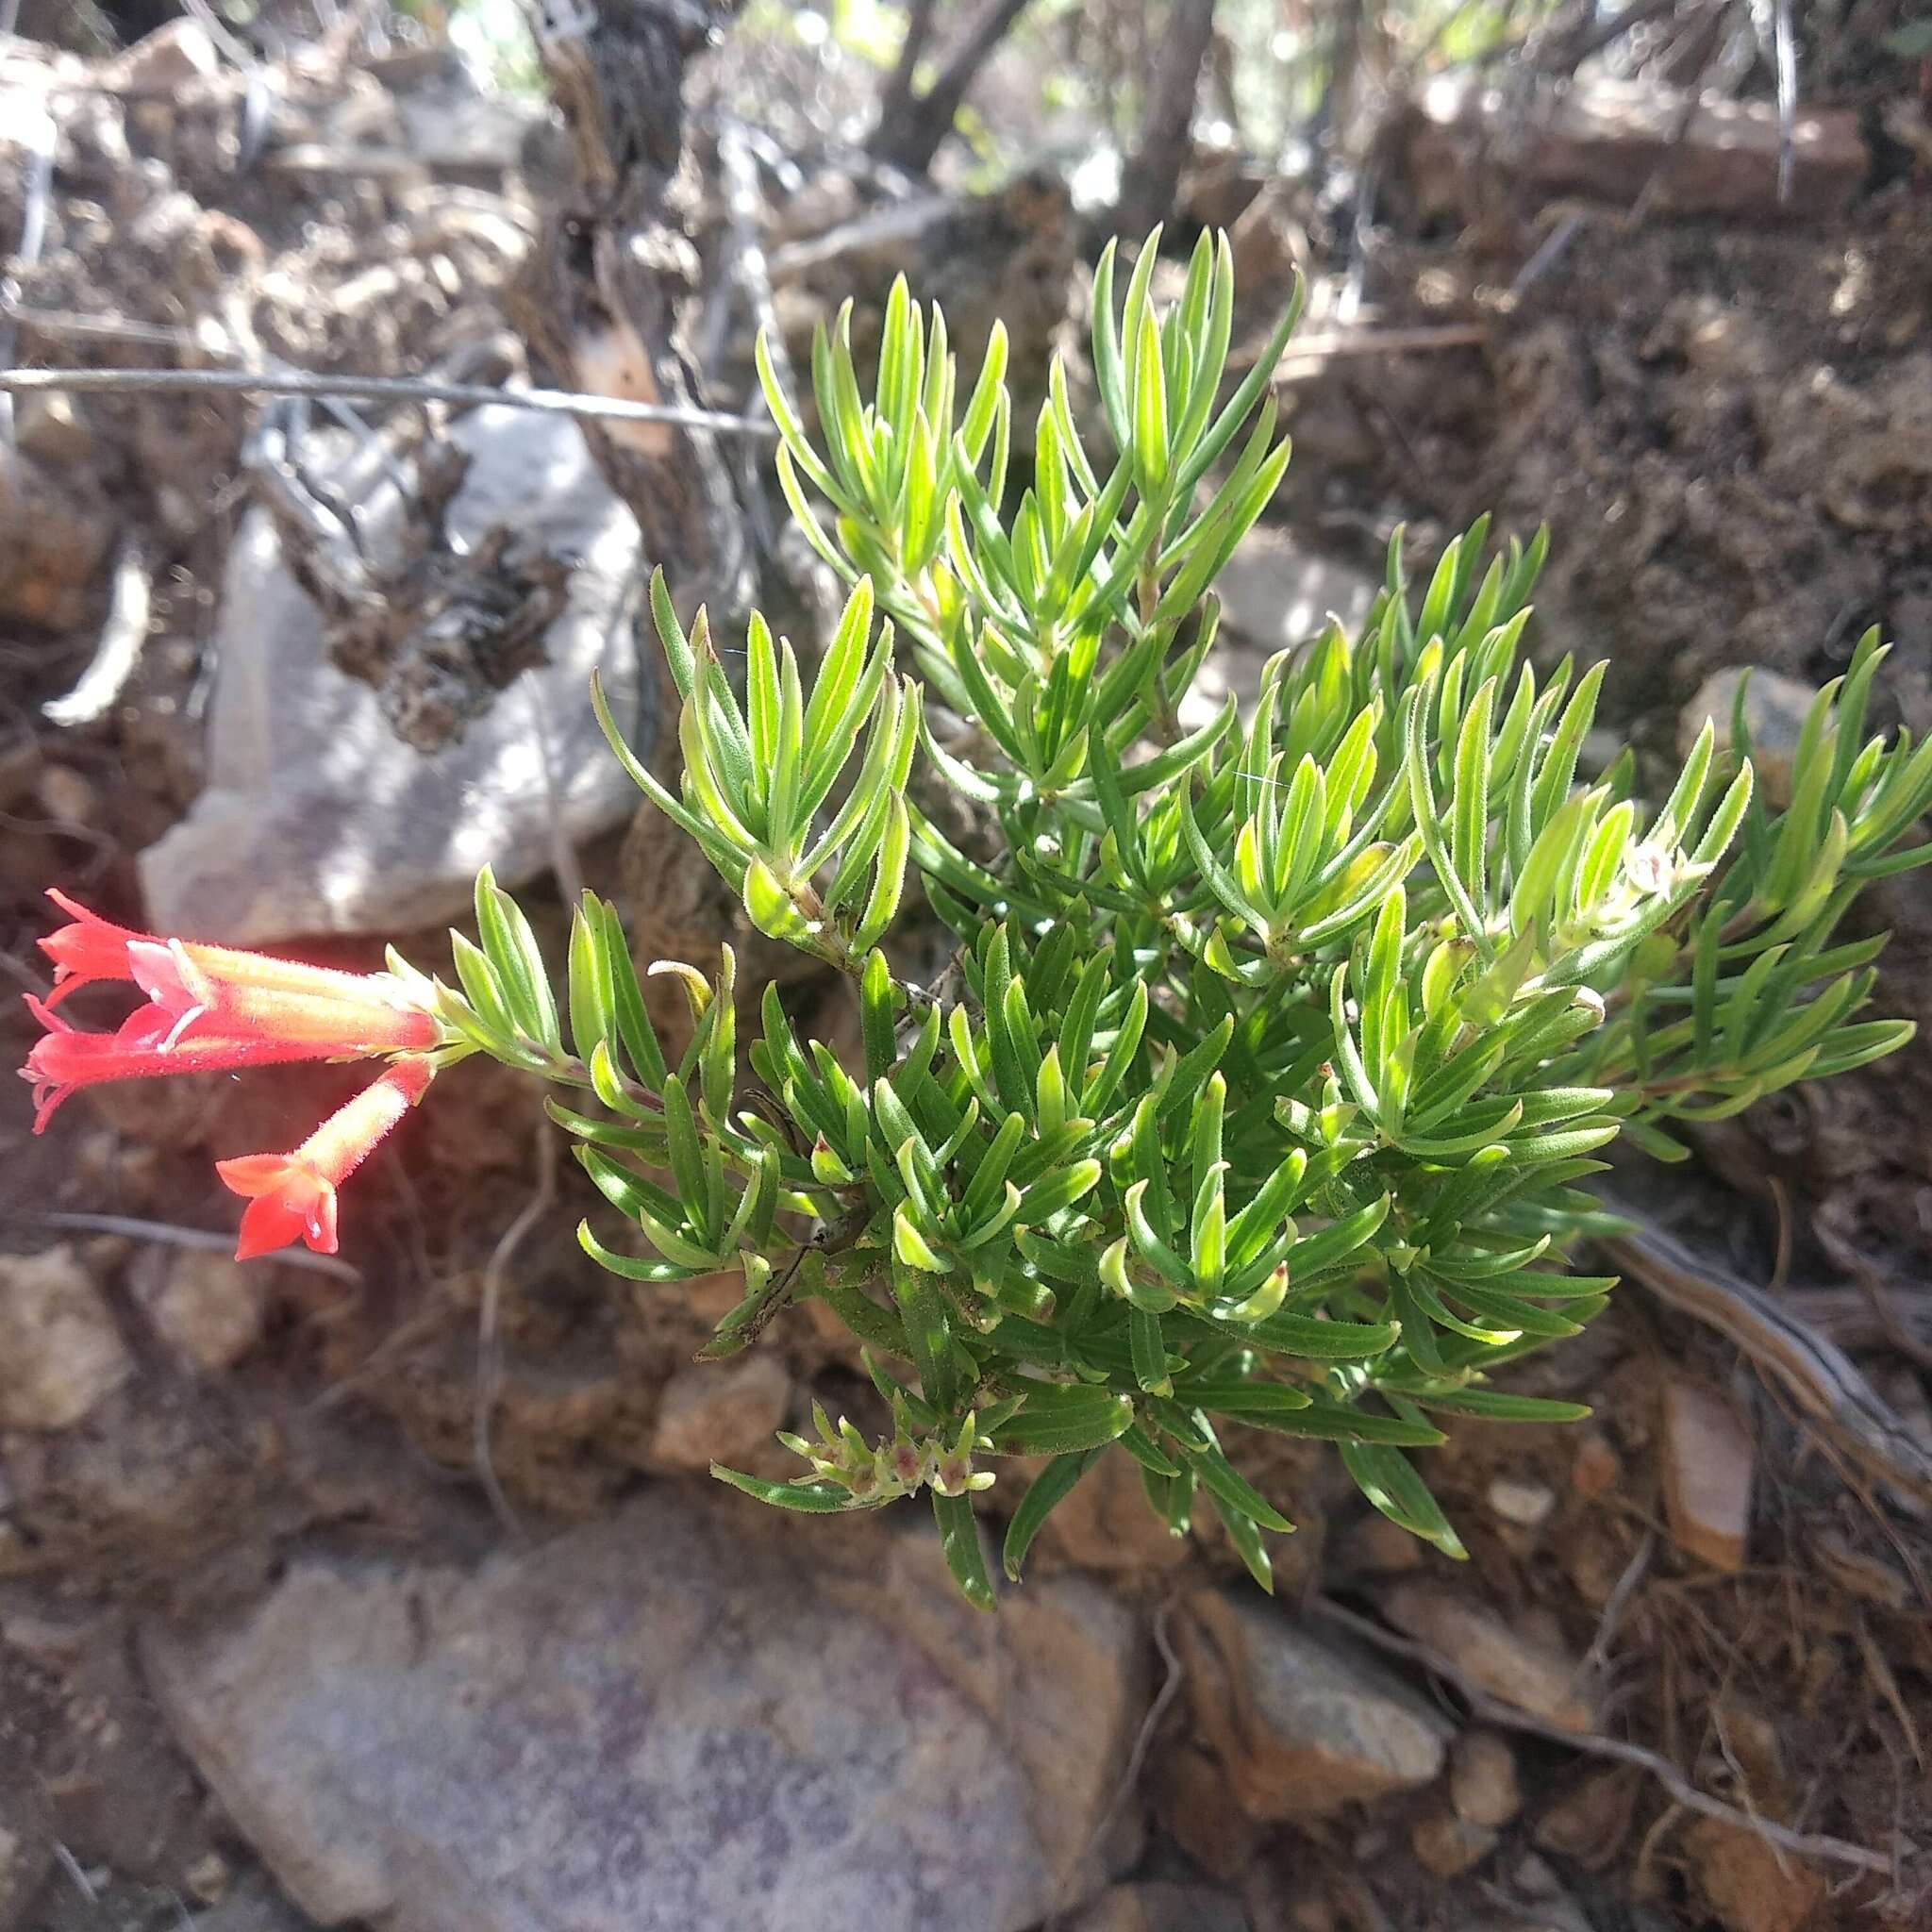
286	1639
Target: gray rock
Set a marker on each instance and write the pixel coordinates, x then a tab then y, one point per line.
1776	707
677	1718
59	1350
316	818
1303	1724
1275	592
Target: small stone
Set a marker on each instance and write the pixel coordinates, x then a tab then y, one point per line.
1534	1676
49	428
1710	1458
1525	1503
727	1413
1162	1908
1449	1845
1482	1779
157	63
209	1878
1374	1547
1596	1469
66	795
203	1304
1304	1725
1591	1818
60	1353
1776	707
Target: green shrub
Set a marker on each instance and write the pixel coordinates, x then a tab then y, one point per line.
1275	1054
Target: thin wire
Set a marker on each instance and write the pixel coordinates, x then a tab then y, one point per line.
402	388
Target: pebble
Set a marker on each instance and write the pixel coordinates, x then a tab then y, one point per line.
1449	1845
1532	1675
1710	1459
1303	1724
1482	1779
1525	1503
724	1412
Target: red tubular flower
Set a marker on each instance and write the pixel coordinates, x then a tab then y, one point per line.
291	1195
90	949
211	1008
143	1049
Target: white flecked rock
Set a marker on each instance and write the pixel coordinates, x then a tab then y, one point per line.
672	1719
317	818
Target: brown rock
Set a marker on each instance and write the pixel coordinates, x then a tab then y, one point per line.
1746	1883
252	1904
1449	1845
724	1413
1596	1469
1058	1674
1709	1457
59	1350
1303	1724
205	1304
1482	1779
1105	1523
1532	1675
